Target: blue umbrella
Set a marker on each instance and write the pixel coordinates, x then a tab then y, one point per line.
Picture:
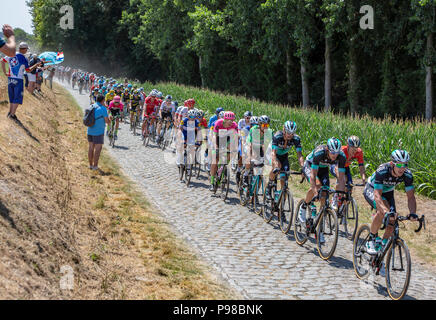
52	58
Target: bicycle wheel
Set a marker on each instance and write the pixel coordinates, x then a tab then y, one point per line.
398	269
181	171
225	183
268	205
329	228
350	219
134	126
286	211
361	258
242	191
257	195
300	228
188	173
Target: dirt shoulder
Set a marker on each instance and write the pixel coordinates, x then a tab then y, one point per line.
58	218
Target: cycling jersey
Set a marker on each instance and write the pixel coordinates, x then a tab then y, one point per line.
135	100
126	96
188	125
150	105
109	97
203	123
358	155
113	106
212	121
283	146
382	179
219	128
318	158
165	107
257	139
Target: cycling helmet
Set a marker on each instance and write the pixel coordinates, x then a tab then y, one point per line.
112	91
129	86
192	114
104	88
229	115
221	115
95	89
353	141
168	97
176	103
290	126
117	99
160	95
254	120
400	156
190	102
201	113
218	110
248	114
264	119
153	93
334	145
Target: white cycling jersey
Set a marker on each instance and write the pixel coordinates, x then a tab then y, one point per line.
167	108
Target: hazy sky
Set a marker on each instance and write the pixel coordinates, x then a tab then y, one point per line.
16	13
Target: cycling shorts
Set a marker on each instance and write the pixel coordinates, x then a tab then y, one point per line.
368	193
323	174
115	112
167	115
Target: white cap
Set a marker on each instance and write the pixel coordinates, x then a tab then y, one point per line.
24	45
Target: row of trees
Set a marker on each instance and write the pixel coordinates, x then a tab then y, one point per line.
308	52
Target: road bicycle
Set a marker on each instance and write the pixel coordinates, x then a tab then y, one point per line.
111	131
255	189
280	201
150	129
398	264
324	224
188	168
134	122
222	180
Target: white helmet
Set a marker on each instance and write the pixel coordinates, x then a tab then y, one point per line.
221	115
290	126
334	145
353	141
400	156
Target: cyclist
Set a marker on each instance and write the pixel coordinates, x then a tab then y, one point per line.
225	129
134	101
94	94
245	121
214	117
260	136
282	143
109	97
352	152
317	166
151	103
189	129
242	148
166	111
379	193
115	108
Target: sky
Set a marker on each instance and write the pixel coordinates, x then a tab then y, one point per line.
16	13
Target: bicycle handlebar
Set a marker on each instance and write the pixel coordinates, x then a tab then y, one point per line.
402	218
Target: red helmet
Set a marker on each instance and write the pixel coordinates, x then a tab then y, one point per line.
189	103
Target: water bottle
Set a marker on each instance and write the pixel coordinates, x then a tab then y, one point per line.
378	243
313	210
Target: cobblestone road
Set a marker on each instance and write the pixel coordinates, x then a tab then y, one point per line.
256	259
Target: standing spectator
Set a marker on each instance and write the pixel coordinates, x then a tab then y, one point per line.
39	77
50	76
32	75
9	47
96	133
17	66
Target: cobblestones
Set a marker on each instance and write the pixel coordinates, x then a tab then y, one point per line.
256	258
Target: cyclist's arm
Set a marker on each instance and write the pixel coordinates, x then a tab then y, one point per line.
362	173
106	119
411	200
341	170
300	158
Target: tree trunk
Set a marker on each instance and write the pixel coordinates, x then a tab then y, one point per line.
428	82
352	90
288	75
328	77
304	85
201	71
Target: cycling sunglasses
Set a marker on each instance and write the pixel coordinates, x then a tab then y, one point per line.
401	165
265	125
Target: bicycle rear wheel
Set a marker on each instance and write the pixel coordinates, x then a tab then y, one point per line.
361	258
300	228
242	191
398	269
188	173
257	195
328	226
286	211
350	219
225	183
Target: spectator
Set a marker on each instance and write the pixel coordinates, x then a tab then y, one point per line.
96	133
50	76
39	77
17	66
9	47
32	75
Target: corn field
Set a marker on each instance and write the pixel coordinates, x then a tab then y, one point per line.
378	137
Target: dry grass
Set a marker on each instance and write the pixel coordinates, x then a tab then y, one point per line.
54	212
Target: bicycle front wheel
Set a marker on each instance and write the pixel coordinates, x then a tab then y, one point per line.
258	195
300	228
286	211
398	269
268	205
188	173
225	183
361	258
242	191
327	234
